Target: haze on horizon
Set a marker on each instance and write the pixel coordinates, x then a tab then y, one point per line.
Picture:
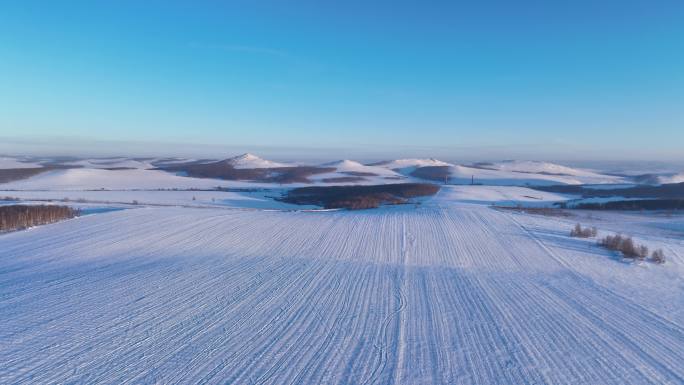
455	80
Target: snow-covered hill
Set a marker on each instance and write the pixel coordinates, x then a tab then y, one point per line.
349	167
252	161
519	173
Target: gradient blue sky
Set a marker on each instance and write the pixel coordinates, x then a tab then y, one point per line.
488	79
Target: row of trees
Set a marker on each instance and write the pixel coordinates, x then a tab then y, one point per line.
629	249
17	217
625	245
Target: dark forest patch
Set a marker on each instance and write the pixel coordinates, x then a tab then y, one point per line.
438	173
359	197
17	217
344	179
665	191
640	204
359	173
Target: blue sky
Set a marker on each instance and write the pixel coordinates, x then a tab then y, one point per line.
488	79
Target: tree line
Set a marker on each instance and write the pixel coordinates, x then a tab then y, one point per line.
17	217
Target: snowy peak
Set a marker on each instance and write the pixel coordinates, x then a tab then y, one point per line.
344	164
248	160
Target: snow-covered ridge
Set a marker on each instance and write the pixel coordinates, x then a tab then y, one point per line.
544	175
537	167
7	162
351	166
111	163
517	172
412	163
676	178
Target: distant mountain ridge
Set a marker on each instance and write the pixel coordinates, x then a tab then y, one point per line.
249	167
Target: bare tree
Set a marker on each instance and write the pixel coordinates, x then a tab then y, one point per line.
658	256
579	232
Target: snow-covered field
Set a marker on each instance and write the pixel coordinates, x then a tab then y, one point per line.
260	199
447	292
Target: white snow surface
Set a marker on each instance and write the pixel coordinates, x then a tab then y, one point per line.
353	166
343	168
463	174
93	178
676	178
500	195
449	292
530	166
402	163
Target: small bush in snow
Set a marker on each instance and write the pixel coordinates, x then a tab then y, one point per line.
642	252
579	232
658	256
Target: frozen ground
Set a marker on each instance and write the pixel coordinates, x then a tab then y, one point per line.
448	292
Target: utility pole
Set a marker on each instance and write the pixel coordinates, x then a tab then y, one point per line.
472	180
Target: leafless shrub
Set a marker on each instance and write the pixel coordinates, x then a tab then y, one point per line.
624	245
579	232
642	252
658	256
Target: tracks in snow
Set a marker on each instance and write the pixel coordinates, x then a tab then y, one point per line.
451	295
